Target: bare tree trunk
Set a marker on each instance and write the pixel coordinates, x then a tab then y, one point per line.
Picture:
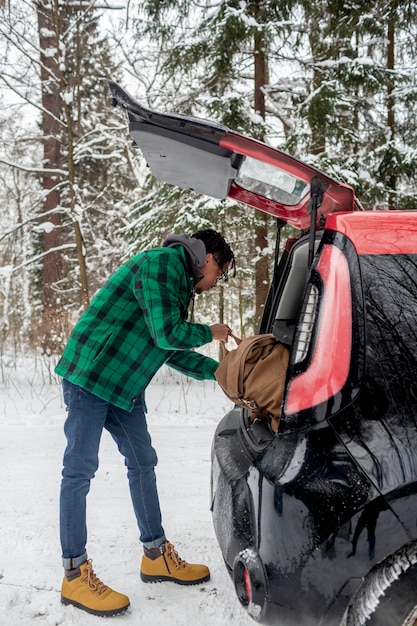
318	137
79	243
261	233
52	331
72	82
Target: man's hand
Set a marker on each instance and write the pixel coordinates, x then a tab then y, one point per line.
220	332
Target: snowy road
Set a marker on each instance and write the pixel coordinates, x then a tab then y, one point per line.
182	419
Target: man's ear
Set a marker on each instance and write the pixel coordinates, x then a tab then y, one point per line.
209	257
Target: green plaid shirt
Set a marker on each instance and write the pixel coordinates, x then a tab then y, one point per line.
135	324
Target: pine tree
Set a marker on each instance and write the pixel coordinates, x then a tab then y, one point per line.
100	181
86	177
354	97
49	28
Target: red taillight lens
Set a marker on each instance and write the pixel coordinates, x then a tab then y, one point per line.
247	585
250	582
329	365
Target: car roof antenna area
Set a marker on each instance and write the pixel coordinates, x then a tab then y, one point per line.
317	189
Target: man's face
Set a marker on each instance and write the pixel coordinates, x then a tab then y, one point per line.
212	274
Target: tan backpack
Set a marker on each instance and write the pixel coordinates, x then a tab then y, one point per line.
253	375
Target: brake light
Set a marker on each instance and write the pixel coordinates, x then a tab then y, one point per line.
247	585
329	365
250	582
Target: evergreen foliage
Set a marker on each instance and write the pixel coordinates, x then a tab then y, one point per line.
94	173
339	92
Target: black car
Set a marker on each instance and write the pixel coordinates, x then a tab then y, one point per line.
317	523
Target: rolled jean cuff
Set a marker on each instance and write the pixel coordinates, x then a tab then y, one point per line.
156	543
74	562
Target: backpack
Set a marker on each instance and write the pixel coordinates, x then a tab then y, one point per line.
253	375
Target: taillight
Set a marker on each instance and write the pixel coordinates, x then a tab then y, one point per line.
250	582
247	586
326	319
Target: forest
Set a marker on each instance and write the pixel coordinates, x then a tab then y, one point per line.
331	82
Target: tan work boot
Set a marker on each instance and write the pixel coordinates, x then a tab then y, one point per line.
88	593
163	563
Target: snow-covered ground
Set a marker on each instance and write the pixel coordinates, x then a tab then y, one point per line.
182	418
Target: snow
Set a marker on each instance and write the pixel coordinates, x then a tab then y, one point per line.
45	32
182	417
67	97
6	270
46	227
50	52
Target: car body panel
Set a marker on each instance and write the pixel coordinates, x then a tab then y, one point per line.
210	159
336	197
378	232
313	517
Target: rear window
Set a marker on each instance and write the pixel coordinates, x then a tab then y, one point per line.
390	292
271	182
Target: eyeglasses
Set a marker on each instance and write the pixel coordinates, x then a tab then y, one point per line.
224	276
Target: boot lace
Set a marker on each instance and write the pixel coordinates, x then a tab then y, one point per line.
173	554
93	582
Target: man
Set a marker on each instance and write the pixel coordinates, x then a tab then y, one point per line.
135	324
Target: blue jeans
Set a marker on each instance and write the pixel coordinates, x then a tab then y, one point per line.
87	416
